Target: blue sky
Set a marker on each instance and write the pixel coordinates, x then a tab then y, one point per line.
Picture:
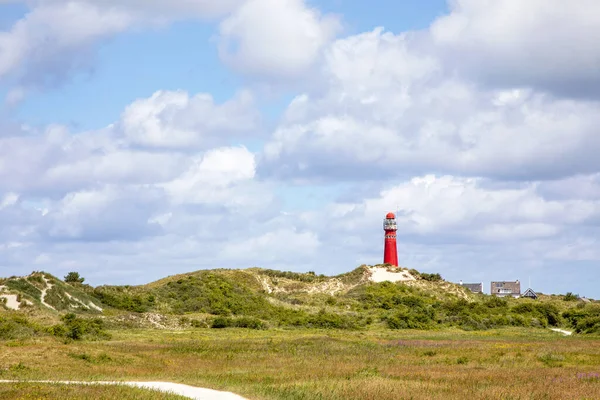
140	139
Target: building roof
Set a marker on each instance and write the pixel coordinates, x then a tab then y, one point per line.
530	293
474	287
390	215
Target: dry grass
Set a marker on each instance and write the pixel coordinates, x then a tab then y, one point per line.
37	391
303	364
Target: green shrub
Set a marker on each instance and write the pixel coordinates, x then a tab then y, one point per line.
431	277
416	318
325	320
243	322
221	322
73	277
75	328
124	299
570	297
22	285
588	325
17	327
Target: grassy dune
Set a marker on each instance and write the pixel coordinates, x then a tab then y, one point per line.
326	364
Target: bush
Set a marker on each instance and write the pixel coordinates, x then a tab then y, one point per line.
415	318
588	325
431	277
570	297
244	322
75	328
17	327
73	277
123	298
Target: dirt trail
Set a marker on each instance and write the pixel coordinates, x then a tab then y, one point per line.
191	392
44	291
566	333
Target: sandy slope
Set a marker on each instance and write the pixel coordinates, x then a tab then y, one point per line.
381	274
191	392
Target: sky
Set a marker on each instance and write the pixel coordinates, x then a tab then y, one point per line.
146	138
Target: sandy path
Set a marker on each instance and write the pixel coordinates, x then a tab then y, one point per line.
191	392
566	333
43	296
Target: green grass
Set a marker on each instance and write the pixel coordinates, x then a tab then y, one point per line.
25	287
515	363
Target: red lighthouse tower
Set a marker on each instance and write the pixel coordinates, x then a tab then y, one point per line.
390	251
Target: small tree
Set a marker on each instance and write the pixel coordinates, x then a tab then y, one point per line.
570	297
73	277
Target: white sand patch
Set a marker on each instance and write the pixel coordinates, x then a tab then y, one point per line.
382	274
191	392
330	287
566	333
95	307
11	301
77	301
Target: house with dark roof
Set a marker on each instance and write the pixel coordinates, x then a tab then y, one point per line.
473	287
530	294
506	288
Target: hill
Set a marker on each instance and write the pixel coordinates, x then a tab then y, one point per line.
369	297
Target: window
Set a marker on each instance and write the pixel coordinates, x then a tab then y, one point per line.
499	284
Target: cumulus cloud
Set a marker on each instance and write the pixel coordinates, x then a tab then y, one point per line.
391	111
112	213
52	39
145	146
547	44
57	38
134	187
176	120
490	164
276	38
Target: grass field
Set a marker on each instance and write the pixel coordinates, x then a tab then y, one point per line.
316	364
30	391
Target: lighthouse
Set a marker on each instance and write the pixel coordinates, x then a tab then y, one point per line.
390	252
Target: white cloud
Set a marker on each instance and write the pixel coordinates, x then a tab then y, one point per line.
282	246
446	205
550	44
57	37
389	110
54	37
111	213
176	120
278	38
221	177
155	141
161	9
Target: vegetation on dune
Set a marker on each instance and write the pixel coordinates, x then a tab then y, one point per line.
18	326
74	277
76	328
262	299
25	287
